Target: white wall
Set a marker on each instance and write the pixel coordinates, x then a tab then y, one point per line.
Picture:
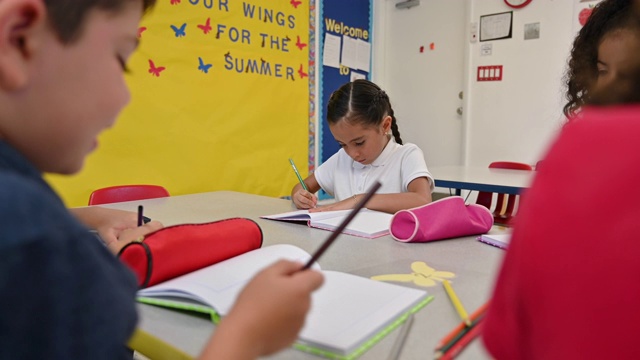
513	119
423	86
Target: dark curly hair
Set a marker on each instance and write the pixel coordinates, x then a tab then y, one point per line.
607	16
364	102
68	16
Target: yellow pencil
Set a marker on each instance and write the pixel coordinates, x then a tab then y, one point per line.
456	302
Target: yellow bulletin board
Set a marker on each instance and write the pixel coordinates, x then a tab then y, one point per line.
221	98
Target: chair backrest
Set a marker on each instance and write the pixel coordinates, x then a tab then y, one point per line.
505	204
121	193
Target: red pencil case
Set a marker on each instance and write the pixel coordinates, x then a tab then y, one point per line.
176	250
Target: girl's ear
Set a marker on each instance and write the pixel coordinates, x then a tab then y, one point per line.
386	124
20	23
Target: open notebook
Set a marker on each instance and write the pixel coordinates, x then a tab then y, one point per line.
368	223
349	313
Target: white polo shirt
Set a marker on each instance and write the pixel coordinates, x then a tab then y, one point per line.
395	168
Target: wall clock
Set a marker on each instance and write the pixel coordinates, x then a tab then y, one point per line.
517	3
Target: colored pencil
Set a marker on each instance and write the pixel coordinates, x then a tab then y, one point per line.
334	235
456	302
457	348
454	336
295	170
479	312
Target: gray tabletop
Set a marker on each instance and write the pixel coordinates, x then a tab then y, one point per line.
475	265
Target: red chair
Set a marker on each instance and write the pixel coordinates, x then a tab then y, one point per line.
505	203
121	193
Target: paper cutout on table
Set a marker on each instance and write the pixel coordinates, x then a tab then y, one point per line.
422	275
331	51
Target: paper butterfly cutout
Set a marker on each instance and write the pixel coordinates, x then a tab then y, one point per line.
153	70
302	73
203	67
299	44
180	32
206	28
422	275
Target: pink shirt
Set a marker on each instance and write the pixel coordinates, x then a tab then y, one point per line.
569	287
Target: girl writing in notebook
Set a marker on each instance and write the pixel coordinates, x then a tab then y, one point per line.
363	123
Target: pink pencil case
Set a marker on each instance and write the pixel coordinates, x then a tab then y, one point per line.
442	219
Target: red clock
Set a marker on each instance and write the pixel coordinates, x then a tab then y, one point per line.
516	4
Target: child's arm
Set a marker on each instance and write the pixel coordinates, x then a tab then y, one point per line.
418	194
268	314
302	198
115	227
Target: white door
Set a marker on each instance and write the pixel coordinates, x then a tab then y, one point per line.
419	58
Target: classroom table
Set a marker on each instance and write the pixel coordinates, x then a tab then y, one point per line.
506	181
475	265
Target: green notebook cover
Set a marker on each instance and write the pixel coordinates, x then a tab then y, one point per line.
349	313
215	318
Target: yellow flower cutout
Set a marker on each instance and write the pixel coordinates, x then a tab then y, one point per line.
422	275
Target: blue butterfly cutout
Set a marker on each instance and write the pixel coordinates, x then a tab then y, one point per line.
180	31
204	67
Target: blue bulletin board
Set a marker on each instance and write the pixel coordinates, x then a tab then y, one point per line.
353	19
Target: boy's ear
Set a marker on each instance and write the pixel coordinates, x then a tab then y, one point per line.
20	21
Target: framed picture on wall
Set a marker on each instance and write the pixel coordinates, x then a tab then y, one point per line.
496	26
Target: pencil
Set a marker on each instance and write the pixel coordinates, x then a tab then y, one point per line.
140	217
456	302
442	350
334	235
295	170
463	342
476	314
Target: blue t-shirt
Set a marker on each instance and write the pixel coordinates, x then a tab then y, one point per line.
63	295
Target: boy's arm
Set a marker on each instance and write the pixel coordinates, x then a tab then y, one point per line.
268	314
115	227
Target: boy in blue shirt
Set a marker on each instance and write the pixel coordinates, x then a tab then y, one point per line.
62	294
